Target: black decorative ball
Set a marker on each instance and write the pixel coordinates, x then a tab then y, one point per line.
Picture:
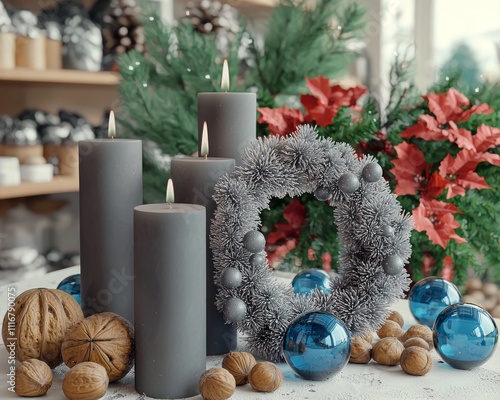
372	172
393	264
348	183
231	278
254	241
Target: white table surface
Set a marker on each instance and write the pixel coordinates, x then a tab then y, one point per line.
360	382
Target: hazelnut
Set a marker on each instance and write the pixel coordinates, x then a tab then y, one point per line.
387	351
416	341
33	378
85	381
421	331
390	329
396	317
473	284
265	377
416	361
239	364
217	384
361	351
490	289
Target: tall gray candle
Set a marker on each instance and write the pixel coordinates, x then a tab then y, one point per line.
169	262
232	118
194	181
110	187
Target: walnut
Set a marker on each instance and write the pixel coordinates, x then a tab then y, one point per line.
396	317
41	318
33	378
368	336
361	351
390	329
217	384
104	338
416	361
416	341
239	364
265	377
85	381
421	331
387	351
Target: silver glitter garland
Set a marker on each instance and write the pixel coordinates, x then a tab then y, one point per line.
373	231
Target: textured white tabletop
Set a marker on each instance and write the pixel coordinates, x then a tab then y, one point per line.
360	382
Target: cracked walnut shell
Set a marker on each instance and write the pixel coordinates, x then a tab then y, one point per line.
106	339
33	378
41	318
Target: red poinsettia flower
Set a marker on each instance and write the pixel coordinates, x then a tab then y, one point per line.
326	258
459	171
427	262
410	169
448	108
281	120
283	238
437	220
324	102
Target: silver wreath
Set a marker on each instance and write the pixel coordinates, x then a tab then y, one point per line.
373	232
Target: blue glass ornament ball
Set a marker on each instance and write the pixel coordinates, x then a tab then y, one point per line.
308	280
71	285
465	335
429	296
317	345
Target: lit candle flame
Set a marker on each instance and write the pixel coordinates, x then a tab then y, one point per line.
111	125
170	193
224	83
204	141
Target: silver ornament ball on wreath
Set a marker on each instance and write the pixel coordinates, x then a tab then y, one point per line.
387	231
372	172
393	264
322	194
254	241
369	278
348	183
234	309
231	278
257	260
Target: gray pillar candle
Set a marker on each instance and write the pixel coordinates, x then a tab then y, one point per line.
110	187
232	118
169	262
194	181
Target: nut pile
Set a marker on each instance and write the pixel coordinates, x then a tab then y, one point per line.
410	349
485	295
239	368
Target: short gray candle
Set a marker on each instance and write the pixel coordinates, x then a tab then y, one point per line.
110	187
169	262
194	181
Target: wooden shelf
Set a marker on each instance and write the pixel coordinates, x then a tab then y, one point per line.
60	184
62	77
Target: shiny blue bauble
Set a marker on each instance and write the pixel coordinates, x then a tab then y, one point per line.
317	345
429	296
465	335
310	279
71	285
